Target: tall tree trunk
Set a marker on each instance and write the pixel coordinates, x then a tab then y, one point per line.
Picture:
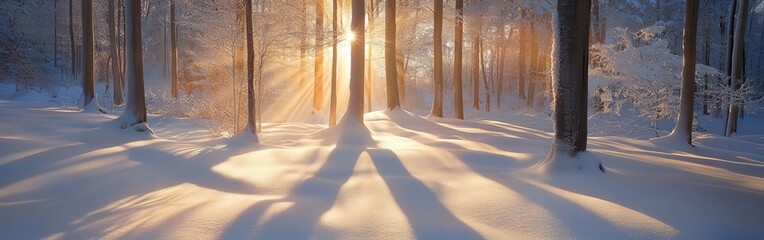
598	22
55	33
738	64
500	76
164	44
683	128
706	61
114	57
88	42
571	77
534	45
458	32
521	58
399	62
369	53
355	101
303	43
71	39
437	80
333	92
731	39
173	51
476	72
391	73
318	82
251	106
123	40
485	79
136	102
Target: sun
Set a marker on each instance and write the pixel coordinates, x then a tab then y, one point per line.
349	36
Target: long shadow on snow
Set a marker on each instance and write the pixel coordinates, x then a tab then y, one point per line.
82	195
412	126
311	199
196	170
578	219
38	163
428	217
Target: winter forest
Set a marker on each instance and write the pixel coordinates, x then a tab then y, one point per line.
382	119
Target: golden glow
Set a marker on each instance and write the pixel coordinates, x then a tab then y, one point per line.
349	36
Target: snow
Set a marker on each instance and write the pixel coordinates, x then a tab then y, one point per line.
73	175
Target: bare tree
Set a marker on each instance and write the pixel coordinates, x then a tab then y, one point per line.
71	39
115	71
318	84
251	106
135	113
458	32
173	50
570	88
738	65
55	33
437	80
534	45
88	42
683	128
333	91
521	58
354	112
485	78
303	42
476	71
373	10
391	74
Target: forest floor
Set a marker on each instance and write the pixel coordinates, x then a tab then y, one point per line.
72	175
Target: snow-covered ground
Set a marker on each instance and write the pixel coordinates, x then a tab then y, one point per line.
71	175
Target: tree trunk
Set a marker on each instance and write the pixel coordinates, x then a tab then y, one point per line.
88	42
683	128
458	32
706	61
521	58
173	50
55	33
731	39
534	45
318	82
500	76
303	44
738	63
251	107
122	38
571	77
437	80
476	72
367	79
114	57
485	79
71	39
355	101
333	92
164	45
598	24
136	102
399	60
391	73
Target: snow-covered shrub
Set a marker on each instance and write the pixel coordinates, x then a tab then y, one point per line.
746	95
638	73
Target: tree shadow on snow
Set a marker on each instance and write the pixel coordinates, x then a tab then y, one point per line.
310	200
428	217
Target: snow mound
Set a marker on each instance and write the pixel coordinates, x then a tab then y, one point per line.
556	163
